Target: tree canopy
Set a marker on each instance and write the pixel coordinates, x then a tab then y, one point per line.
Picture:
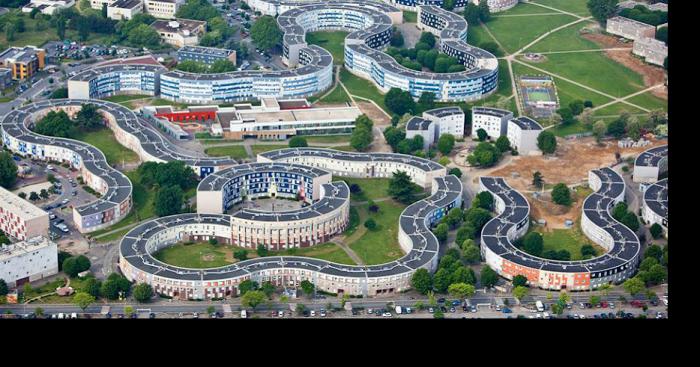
265	33
8	170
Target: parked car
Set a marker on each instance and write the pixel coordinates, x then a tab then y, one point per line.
386	314
506	310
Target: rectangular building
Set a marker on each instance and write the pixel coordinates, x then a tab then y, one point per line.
48	7
124	9
163	9
23	61
493	120
652	50
522	134
27	261
180	32
420	126
99	4
21	219
629	28
206	55
448	120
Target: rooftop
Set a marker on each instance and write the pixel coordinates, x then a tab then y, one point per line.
24	247
20	207
526	123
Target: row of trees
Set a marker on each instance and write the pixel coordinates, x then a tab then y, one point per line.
362	135
474	14
640	13
218	66
652	271
475	218
59	124
170	181
8	170
423	55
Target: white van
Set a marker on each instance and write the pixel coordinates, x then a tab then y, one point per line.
244	314
398	310
540	306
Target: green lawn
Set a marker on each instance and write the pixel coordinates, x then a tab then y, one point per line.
31	36
125	97
572	6
594	70
261	148
515	32
363	88
198	255
328	251
233	151
345	148
104	140
616	109
567	39
477	36
575	128
523	8
648	100
328	139
410	16
372	188
337	96
567	239
6	99
334	42
382	244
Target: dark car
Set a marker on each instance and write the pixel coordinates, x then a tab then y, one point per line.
441	300
151	315
108	315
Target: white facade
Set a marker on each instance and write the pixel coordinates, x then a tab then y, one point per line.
28	261
523	137
449	120
427	131
493	120
163	9
652	50
124	9
47	7
629	28
21	219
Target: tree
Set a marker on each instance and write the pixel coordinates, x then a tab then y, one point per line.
55	124
489	277
362	136
422	281
370	224
561	194
520	292
8	170
253	299
461	290
241	254
477	217
427	38
83	300
426	101
567	115
265	33
442	280
633	286
454	217
587	251
268	289
485	155
654	251
247	286
470	252
519	281
307	287
634	129
222	66
586	117
298	142
92	287
481	134
631	221
441	232
576	107
169	200
3	287
399	101
446	143
602	9
401	188
617	128
455	171
483	200
484	11
74	265
503	144
599	130
262	250
656	230
471	14
396	38
110	289
533	243
143	292
33	196
547	142
143	36
537	180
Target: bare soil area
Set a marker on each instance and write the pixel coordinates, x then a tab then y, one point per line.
570	164
374	113
555	215
653	75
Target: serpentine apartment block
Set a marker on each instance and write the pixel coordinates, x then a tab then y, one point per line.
649	167
622	245
311	67
326	216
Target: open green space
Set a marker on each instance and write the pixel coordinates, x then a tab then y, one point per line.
233	151
567	39
328	251
333	41
572	6
336	96
197	255
344	148
478	36
372	188
380	245
594	70
650	101
567	239
125	97
104	140
516	32
410	16
261	148
6	99
34	37
363	88
327	139
616	109
575	128
522	9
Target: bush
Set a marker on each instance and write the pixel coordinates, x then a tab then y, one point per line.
298	142
656	230
561	194
370	224
143	292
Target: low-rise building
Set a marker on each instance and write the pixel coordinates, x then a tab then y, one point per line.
99	4
629	28
206	55
48	7
420	126
124	9
180	32
652	50
493	120
23	61
21	219
448	120
27	261
522	134
5	78
163	9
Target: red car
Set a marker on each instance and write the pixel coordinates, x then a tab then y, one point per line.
636	303
604	304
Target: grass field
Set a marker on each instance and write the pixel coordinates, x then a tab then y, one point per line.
196	255
372	188
572	6
261	148
329	139
410	16
523	8
648	100
596	71
575	128
616	109
233	151
31	36
567	239
125	97
333	42
328	251
337	96
363	88
516	32
104	140
567	39
381	244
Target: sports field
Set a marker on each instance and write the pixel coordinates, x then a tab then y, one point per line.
537	94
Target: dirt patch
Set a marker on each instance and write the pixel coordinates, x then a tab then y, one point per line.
374	113
570	164
653	75
555	215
